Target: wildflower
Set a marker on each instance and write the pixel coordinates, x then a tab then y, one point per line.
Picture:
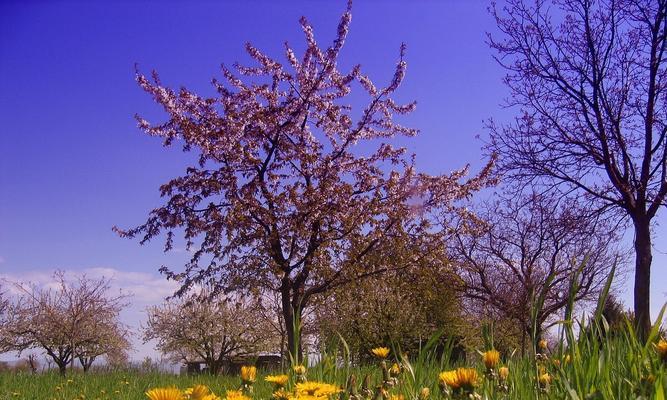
198	392
248	373
395	370
503	373
300	372
316	389
424	393
542	345
661	348
396	397
544	379
299	369
491	359
380	352
278	380
236	395
170	393
281	394
460	378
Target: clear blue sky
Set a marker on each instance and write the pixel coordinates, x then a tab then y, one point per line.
73	163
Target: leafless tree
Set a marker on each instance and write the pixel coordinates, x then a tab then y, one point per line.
65	319
506	260
588	79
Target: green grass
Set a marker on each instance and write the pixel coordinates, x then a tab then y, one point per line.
604	363
611	368
104	386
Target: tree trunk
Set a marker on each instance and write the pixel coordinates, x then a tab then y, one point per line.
643	258
62	367
214	367
291	313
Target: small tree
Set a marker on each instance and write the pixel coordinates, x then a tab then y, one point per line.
293	189
112	342
72	317
403	308
211	329
519	243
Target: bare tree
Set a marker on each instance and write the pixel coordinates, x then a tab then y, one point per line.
507	259
73	316
211	329
588	78
293	189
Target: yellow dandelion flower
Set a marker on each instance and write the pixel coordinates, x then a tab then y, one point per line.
198	392
278	380
460	378
661	348
491	358
211	396
281	394
545	379
299	369
248	373
396	397
316	389
170	393
503	373
380	352
236	395
424	393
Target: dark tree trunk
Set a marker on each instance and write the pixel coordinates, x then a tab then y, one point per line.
214	367
643	259
62	367
291	312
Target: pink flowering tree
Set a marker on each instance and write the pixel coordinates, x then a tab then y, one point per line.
293	189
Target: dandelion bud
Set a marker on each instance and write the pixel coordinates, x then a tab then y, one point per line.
542	345
661	349
544	379
424	393
503	373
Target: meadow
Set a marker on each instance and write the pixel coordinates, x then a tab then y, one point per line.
612	367
587	361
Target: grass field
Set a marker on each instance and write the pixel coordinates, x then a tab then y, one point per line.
597	363
618	368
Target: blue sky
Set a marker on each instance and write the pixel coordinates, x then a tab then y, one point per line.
73	163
